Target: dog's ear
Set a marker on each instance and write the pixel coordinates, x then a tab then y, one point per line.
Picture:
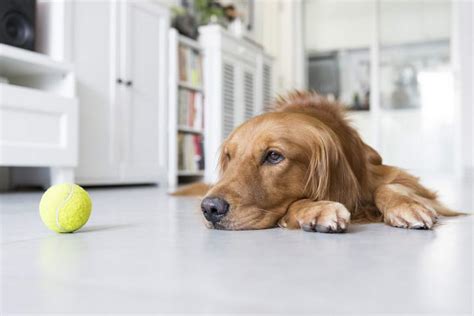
330	176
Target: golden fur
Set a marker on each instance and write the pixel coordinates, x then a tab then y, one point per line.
327	177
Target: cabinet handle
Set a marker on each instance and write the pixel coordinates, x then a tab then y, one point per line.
119	81
129	83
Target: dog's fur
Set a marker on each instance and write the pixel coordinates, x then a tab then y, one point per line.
327	177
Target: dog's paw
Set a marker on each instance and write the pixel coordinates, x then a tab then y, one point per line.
411	215
330	217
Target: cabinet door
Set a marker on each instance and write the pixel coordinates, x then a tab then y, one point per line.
144	66
94	47
238	93
248	92
267	88
229	95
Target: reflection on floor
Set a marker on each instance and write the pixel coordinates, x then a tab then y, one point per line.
145	251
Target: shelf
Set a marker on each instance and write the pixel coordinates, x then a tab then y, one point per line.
192	89
185	129
188	173
21	62
188	86
189	42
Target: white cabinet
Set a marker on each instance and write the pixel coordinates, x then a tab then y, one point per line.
248	85
239	101
265	83
38	118
238	84
119	51
144	101
95	57
229	98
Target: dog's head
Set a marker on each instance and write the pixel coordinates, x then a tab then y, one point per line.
268	163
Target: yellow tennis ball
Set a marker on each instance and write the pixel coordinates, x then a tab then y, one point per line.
65	208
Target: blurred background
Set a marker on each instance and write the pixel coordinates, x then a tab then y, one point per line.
145	91
392	62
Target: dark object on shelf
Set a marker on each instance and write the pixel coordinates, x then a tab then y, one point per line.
186	25
230	12
358	104
17	23
323	74
356	101
406	93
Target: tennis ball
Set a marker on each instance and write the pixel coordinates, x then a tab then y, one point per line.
65	208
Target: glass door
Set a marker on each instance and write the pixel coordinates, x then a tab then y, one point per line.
415	81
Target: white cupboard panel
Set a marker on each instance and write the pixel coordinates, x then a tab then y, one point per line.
249	94
95	50
119	50
37	128
267	92
228	98
144	120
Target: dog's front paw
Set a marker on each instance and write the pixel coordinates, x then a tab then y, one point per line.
411	215
330	217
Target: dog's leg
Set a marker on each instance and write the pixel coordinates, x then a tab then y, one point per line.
320	216
402	207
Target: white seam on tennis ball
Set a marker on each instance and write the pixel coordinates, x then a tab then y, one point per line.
71	188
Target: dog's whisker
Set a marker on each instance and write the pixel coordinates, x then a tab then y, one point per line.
243	221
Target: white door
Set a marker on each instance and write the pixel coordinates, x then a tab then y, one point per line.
94	49
144	44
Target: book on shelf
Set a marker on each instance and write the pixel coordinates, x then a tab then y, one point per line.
190	66
190	109
190	152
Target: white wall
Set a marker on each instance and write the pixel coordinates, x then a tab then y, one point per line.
168	3
279	28
338	24
463	68
50	30
422	21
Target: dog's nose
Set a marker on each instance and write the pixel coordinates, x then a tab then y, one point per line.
214	208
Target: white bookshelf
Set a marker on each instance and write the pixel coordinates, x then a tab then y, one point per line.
177	175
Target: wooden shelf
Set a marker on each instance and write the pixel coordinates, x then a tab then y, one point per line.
185	85
188	173
185	129
21	62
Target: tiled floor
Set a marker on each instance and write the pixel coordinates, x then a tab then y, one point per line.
144	251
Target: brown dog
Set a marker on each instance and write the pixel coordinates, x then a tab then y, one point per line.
303	166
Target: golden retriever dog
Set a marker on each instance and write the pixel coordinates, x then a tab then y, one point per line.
303	166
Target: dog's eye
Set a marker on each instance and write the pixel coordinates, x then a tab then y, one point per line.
273	157
228	156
